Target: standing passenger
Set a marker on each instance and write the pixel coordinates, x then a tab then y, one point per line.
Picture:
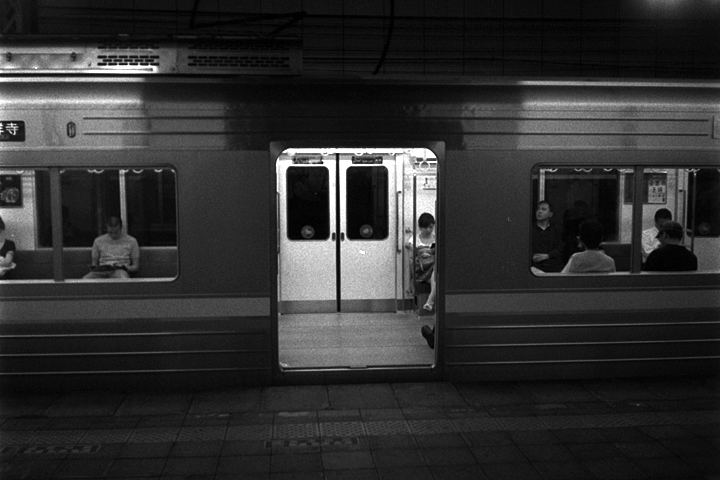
671	255
7	252
592	259
546	240
649	237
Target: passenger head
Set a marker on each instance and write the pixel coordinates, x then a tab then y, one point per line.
662	216
543	211
114	227
670	232
426	221
591	234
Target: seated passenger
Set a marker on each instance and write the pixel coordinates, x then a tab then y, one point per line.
649	237
115	254
425	267
592	259
671	256
425	256
546	240
7	253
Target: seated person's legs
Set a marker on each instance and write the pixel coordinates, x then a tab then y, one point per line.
120	274
430	303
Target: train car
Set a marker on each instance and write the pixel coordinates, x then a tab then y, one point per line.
277	224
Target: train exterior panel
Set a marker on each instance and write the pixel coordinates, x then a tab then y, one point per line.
209	314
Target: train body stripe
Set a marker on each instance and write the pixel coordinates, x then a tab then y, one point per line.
113	309
538	303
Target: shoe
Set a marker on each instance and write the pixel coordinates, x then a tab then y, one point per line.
428	307
429	335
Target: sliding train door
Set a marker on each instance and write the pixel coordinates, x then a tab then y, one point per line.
337	219
367	214
307	233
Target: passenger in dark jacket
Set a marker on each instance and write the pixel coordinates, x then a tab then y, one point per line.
672	255
547	245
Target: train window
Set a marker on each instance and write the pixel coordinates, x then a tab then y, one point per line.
308	203
690	197
367	202
144	198
144	201
571	196
22	194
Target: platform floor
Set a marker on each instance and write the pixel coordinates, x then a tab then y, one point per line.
353	340
665	428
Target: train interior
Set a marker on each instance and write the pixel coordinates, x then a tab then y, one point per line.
348	295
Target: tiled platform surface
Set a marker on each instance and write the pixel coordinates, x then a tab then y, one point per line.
600	429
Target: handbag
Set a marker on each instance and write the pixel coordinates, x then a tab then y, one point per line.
425	258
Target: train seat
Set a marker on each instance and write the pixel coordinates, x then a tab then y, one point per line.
155	262
620	252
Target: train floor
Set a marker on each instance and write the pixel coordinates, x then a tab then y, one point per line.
653	428
353	340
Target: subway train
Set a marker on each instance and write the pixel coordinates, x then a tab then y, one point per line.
277	219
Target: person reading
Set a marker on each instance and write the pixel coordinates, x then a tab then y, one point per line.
114	254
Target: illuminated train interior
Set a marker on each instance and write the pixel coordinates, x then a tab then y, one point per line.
347	224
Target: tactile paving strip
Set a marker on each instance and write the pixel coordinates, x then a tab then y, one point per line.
692	418
249	432
479	424
429	427
58	436
341	429
646	418
189	434
153	435
520	423
387	427
117	435
605	421
16	437
563	421
296	430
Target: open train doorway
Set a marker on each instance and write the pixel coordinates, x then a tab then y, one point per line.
347	230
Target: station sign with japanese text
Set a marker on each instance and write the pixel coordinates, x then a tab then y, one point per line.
12	131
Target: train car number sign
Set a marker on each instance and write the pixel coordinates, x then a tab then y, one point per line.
12	131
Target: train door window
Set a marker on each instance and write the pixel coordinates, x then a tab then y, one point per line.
367	202
24	194
308	200
571	196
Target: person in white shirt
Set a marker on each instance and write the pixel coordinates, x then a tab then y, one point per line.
592	259
649	236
